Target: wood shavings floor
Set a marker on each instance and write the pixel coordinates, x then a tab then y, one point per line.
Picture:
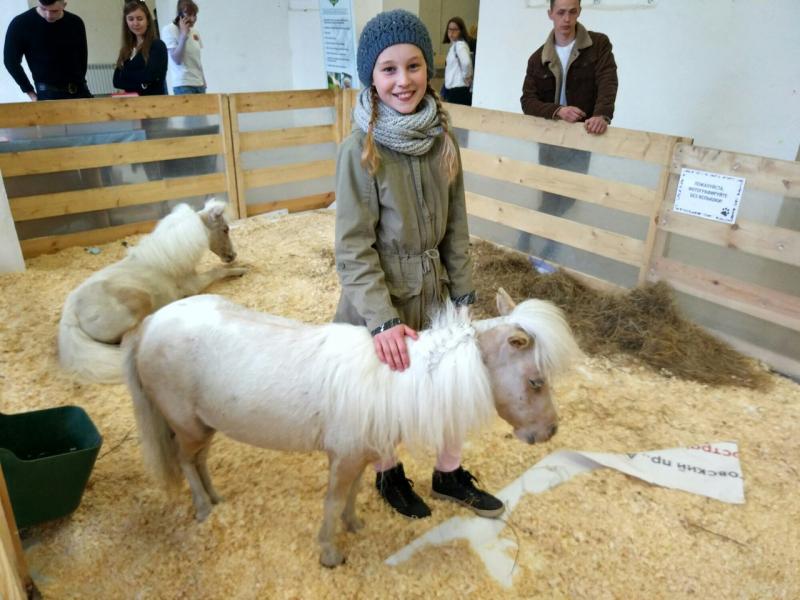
600	535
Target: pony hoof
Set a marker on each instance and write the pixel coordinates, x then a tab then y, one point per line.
235	272
331	557
202	514
354	524
217	499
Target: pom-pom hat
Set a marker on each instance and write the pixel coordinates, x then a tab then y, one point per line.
387	29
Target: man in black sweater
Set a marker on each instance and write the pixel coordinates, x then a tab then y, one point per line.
53	43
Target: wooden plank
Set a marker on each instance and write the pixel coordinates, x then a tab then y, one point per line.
626	143
775	243
14	575
236	149
338	107
229	156
750	299
97	110
288	173
281	138
770	174
652	243
598	241
53	243
35	162
271	101
626	197
293	204
27	208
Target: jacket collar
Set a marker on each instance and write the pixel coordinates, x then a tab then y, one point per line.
582	40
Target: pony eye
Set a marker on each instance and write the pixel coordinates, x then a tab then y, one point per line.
536	384
225	229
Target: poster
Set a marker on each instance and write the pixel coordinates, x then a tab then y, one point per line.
339	43
709	195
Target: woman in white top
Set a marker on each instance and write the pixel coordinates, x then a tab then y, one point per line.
458	64
184	48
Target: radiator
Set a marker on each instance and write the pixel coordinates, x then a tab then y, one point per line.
99	78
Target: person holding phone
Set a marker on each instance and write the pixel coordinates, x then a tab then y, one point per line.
185	47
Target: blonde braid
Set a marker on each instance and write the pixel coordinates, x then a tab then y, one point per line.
369	155
449	152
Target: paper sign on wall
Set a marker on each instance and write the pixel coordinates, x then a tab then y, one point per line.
709	195
338	43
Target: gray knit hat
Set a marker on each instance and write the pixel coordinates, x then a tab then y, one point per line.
386	29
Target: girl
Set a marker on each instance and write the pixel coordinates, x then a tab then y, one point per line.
142	61
402	243
184	46
458	64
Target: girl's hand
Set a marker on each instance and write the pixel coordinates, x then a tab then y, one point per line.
391	347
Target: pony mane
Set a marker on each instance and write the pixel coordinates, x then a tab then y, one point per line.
554	348
176	244
434	404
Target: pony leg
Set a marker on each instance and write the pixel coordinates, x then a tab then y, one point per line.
205	477
351	520
188	451
197	282
343	472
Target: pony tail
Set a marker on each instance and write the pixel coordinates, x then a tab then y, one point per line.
449	152
369	156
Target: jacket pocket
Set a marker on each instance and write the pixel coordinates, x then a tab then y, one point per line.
403	277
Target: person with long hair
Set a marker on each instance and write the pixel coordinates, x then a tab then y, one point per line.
458	67
142	61
185	47
402	241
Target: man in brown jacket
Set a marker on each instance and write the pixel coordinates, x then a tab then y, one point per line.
572	77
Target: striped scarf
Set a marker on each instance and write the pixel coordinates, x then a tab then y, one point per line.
412	134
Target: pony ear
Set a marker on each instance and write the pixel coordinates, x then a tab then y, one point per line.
215	209
504	302
520	340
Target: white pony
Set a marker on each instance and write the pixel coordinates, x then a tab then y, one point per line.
161	269
204	364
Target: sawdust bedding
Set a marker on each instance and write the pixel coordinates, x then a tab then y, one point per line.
600	535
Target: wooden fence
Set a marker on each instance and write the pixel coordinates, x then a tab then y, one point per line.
647	254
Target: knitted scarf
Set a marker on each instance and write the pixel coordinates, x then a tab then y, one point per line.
412	134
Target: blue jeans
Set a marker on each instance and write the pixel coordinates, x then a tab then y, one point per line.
180	90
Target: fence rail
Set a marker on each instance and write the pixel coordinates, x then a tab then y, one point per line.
239	143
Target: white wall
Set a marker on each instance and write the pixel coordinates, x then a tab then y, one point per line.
724	72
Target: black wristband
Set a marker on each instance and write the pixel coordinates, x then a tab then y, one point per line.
387	325
466	299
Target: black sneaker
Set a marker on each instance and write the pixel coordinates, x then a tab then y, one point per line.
457	486
395	488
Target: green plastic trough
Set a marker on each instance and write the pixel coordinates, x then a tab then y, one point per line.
47	457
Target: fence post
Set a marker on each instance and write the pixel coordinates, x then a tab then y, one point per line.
656	239
229	119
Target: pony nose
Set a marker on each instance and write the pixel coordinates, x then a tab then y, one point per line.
230	257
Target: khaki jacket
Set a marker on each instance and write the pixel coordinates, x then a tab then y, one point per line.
591	77
402	243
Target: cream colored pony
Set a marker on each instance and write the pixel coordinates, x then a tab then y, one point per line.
161	269
204	364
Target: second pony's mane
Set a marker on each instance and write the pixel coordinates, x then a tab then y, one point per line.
176	244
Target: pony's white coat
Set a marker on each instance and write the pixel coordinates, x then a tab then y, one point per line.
204	364
260	378
161	268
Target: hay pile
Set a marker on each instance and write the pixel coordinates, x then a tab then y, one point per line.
599	535
643	323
